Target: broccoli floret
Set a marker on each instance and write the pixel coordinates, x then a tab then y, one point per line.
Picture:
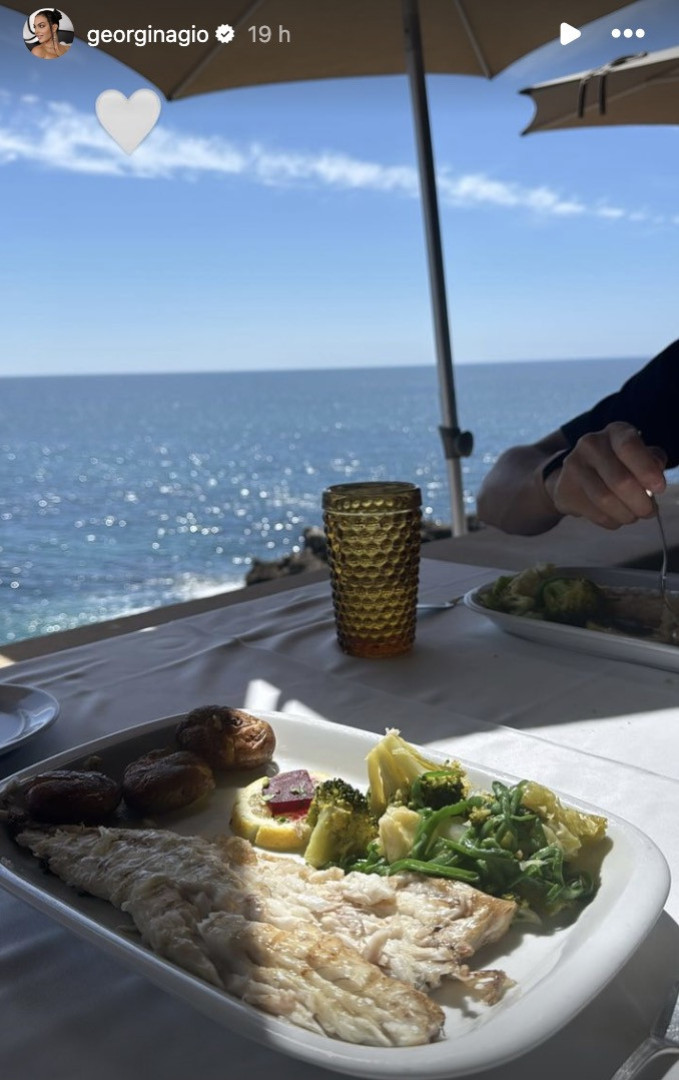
538	593
439	787
342	825
518	594
493	596
393	765
570	600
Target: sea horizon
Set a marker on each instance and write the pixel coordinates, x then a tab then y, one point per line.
429	364
167	486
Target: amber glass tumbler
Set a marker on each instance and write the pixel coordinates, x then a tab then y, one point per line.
373	535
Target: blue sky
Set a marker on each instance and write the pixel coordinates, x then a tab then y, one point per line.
281	226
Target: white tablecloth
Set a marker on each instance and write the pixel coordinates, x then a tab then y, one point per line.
604	731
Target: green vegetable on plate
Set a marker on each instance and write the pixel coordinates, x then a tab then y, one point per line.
515	841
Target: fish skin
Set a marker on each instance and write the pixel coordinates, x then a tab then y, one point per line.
318	982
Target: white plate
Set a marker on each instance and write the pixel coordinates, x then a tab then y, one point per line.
637	650
557	971
24	711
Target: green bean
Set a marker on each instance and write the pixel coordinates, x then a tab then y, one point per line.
420	866
504	853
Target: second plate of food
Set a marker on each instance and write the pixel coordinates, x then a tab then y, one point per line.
631	623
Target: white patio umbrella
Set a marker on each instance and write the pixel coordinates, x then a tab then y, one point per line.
641	89
328	39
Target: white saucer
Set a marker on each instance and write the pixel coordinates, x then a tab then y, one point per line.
24	711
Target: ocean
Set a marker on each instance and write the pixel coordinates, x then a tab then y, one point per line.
123	492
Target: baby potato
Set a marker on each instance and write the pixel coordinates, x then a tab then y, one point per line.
165	780
227	738
70	796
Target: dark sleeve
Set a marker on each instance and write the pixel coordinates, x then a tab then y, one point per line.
649	400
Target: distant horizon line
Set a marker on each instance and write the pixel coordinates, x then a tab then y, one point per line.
313	370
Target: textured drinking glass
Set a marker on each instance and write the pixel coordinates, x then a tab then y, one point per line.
373	535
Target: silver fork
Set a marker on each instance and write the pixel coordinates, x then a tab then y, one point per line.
442	605
664	1039
663	568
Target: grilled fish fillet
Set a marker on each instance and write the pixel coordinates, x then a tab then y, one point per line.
419	929
343	954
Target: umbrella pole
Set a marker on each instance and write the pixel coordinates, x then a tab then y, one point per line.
456	443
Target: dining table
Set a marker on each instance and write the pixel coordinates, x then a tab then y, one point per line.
601	730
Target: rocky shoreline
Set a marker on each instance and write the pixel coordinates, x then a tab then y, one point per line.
313	554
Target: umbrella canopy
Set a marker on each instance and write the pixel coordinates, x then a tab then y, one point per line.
326	39
642	89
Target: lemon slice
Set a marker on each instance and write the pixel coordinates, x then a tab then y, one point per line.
252	819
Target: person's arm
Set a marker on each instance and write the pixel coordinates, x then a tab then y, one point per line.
514	496
606	477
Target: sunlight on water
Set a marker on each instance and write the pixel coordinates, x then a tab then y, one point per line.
126	492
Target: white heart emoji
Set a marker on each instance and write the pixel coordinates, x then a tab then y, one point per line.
128	120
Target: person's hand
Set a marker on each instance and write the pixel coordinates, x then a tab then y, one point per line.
607	477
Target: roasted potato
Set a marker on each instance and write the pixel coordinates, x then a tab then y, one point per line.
227	738
70	796
165	780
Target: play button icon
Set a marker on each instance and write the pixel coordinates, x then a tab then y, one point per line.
569	33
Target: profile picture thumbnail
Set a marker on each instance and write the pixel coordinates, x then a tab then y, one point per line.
48	34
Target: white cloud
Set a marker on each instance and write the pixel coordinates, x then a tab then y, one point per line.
611	212
54	135
478	189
